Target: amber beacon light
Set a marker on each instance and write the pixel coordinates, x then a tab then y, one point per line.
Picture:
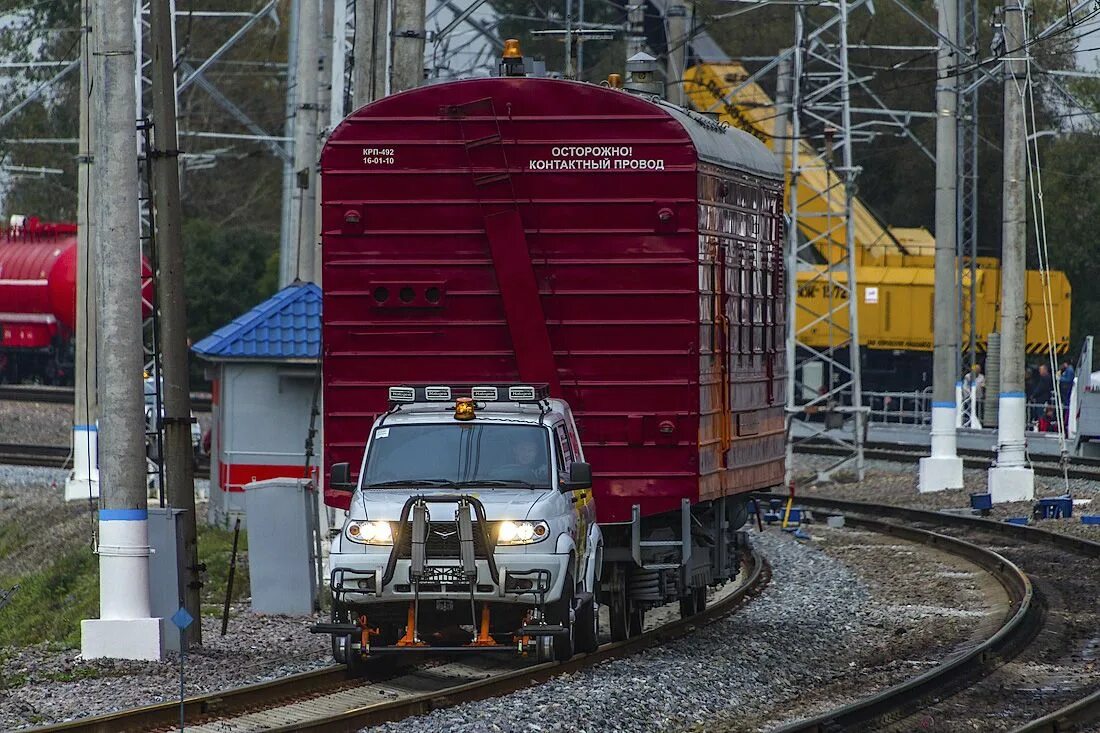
511	49
464	409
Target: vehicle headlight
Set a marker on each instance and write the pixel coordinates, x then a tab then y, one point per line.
522	533
369	533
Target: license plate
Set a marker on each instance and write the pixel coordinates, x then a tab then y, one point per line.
444	605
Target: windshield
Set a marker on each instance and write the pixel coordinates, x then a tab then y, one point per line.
459	454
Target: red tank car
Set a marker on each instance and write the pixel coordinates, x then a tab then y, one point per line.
624	251
38	301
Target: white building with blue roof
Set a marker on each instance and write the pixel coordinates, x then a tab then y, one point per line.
265	370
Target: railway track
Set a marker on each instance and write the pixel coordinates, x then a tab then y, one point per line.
1078	467
200	402
326	700
1016	683
58	456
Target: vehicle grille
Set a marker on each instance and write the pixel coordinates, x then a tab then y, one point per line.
443	540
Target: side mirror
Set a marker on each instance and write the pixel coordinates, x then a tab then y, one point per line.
340	478
580	477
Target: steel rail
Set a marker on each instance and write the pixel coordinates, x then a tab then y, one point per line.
1072	716
1077	468
270	694
759	574
1022	532
1014	635
58	456
200	402
149	717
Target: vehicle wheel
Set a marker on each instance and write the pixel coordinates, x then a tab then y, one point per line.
588	627
561	613
356	666
637	621
618	604
687	605
337	615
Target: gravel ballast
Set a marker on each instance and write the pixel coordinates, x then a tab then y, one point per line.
816	627
43	683
889	482
48	686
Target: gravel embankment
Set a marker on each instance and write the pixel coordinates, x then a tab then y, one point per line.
51	686
36	423
41	683
818	626
887	482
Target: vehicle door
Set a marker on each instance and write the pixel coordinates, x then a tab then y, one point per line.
584	508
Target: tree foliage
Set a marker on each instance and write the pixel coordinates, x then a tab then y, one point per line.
232	186
228	270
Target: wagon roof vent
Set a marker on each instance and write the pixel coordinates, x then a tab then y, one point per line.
641	69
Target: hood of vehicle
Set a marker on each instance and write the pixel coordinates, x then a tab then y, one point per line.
386	504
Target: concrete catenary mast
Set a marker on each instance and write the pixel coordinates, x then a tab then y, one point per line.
944	469
676	40
1011	479
288	232
125	629
83	482
369	51
179	474
408	45
304	200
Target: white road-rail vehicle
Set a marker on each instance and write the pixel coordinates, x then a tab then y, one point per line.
472	526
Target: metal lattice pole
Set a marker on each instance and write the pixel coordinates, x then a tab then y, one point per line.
823	341
967	191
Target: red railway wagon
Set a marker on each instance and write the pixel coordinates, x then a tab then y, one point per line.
38	301
622	250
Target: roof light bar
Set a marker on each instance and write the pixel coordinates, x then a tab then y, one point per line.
485	394
402	394
437	394
524	393
521	393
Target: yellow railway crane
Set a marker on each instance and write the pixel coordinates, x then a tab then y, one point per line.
894	264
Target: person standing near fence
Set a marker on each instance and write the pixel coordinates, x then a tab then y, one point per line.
974	388
1041	391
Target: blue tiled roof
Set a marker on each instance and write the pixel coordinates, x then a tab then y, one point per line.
285	326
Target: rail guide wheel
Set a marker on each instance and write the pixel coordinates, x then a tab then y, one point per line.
627	618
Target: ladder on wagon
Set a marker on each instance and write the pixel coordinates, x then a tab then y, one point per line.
494	191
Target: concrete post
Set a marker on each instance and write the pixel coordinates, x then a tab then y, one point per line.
1011	479
179	454
305	138
635	34
370	51
676	59
944	469
288	233
408	45
124	629
83	482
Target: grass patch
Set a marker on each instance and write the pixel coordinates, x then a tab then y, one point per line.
74	674
215	549
12	537
51	601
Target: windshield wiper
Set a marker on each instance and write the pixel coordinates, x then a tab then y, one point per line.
412	482
500	482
